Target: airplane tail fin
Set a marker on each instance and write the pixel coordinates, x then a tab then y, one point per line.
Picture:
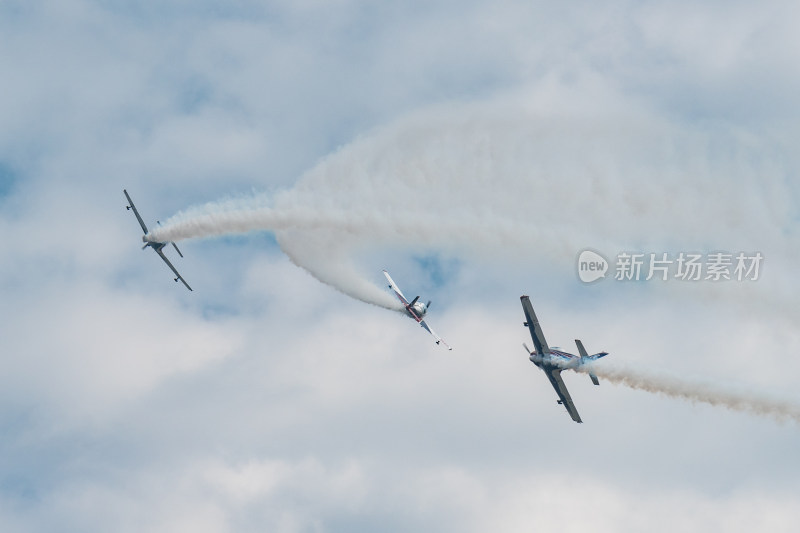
585	357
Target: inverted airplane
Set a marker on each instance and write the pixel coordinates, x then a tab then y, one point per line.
415	309
553	361
158	247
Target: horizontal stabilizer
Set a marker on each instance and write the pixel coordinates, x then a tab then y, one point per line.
585	356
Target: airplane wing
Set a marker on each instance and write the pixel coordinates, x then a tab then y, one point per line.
554	376
179	277
136	212
395	288
436	337
533	325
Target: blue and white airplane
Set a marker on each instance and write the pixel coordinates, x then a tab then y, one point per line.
553	361
415	309
158	247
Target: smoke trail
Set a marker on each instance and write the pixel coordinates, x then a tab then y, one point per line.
492	181
697	391
337	268
220	218
320	240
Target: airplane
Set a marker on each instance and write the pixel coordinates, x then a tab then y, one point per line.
157	246
553	361
415	309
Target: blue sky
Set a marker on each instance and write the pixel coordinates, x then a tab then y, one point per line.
484	145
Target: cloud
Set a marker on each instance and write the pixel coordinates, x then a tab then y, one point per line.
76	352
267	400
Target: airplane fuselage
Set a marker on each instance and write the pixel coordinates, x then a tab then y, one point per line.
157	246
417	310
555	359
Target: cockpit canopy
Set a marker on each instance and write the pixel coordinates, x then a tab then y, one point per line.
421	308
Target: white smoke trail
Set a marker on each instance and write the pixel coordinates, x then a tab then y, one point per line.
220	218
698	391
338	270
489	180
320	241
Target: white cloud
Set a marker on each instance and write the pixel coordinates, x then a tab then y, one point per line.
265	400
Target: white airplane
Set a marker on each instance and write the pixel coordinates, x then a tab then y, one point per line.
415	309
157	246
553	361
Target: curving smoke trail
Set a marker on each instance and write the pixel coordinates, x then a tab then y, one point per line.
495	181
698	391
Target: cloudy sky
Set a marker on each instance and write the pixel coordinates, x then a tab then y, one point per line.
473	150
